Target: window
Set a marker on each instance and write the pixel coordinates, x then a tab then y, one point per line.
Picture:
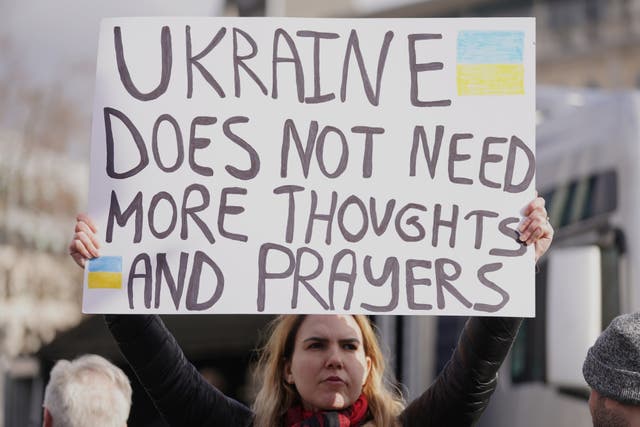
580	200
529	349
529	354
23	398
573	204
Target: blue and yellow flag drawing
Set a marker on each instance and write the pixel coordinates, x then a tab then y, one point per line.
490	63
105	273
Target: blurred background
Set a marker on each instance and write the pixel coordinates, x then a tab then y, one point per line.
588	140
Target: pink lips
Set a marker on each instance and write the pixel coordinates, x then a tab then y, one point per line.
334	380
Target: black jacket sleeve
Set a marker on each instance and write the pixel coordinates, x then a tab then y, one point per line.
462	391
180	393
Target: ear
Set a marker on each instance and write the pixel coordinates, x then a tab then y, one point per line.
287	374
47	420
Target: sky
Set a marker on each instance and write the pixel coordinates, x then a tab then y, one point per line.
56	36
52	45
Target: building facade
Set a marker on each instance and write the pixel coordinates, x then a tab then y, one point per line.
582	43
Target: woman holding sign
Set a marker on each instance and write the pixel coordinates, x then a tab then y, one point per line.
319	370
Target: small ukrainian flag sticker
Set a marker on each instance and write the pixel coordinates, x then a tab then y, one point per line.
105	273
490	63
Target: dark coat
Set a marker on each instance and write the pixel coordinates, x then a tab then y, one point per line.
456	399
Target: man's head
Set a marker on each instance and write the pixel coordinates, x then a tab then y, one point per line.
612	370
87	391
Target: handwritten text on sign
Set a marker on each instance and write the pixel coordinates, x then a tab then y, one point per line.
292	165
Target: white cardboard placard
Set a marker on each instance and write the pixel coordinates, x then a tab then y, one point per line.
372	166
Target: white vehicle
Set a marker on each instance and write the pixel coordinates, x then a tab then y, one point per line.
588	156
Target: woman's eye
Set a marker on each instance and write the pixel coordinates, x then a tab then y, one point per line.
350	346
315	345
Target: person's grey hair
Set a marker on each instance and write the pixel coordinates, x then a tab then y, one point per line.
89	390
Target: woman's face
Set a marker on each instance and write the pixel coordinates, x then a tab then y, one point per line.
328	365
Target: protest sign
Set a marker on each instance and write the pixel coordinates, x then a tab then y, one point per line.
312	165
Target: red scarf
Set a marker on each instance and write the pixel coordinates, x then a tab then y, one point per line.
353	416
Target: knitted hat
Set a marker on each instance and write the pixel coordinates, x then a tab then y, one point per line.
612	366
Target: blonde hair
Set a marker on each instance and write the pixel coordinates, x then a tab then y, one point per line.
276	396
